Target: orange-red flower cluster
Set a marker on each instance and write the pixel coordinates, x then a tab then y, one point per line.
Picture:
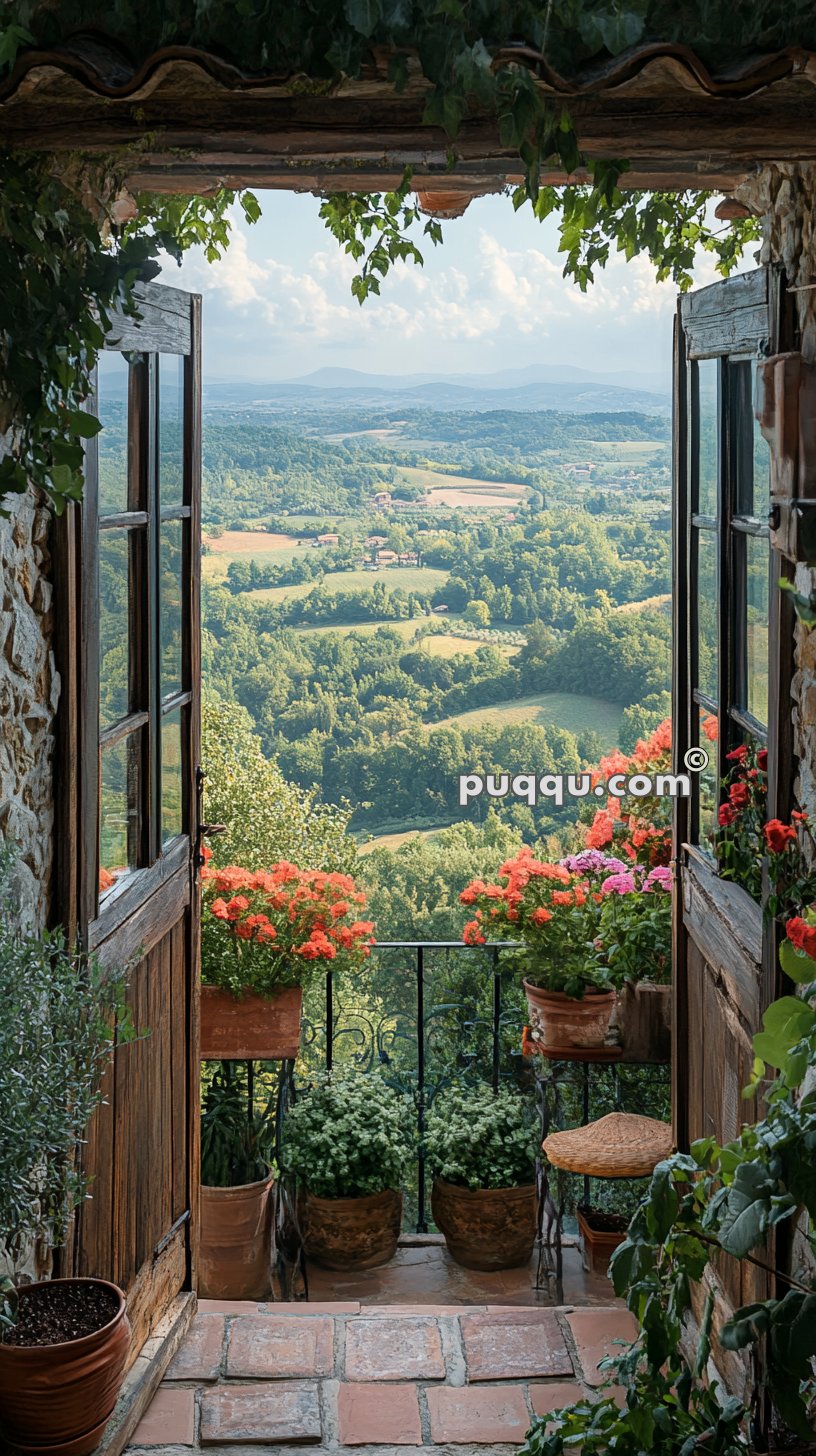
280	915
624	825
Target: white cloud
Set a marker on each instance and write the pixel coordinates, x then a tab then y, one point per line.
491	296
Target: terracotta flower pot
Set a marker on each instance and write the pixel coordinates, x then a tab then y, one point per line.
235	1255
599	1237
350	1233
564	1022
254	1028
57	1399
486	1228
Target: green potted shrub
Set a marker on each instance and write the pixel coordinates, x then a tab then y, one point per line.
63	1342
237	1151
482	1148
264	935
348	1141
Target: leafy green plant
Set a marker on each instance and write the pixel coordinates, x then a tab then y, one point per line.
236	1147
61	1015
349	1136
635	928
478	1138
73	243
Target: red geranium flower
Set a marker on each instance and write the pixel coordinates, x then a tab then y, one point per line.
726	815
802	935
738	755
778	835
739	794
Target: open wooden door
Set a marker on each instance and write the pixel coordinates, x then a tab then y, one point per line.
128	629
732	669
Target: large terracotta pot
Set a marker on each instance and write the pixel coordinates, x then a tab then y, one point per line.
57	1399
564	1022
254	1028
486	1228
643	1018
235	1255
600	1237
350	1233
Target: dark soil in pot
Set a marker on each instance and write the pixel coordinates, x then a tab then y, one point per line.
60	1379
61	1312
604	1223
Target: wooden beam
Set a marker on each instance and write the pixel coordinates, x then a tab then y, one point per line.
206	135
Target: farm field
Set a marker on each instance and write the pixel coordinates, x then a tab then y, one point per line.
396	840
260	546
447	644
410	578
462	490
406	628
563	710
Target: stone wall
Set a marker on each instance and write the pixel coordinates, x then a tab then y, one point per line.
29	692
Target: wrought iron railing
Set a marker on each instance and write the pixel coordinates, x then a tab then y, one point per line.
431	1013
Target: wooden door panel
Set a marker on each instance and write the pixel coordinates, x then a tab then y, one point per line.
139	1225
721	980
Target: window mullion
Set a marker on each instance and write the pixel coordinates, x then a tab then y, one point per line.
153	619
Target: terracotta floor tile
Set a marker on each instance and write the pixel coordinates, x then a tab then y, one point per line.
597	1334
516	1345
200	1355
393	1349
168	1421
378	1415
487	1414
265	1414
273	1347
227	1306
546	1398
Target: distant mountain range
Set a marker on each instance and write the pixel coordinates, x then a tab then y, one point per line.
538	387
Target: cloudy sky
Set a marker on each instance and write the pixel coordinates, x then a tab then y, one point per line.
491	297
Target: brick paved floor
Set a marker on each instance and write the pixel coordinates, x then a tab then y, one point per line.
348	1374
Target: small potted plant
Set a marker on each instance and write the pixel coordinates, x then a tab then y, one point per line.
554	910
482	1148
635	939
264	934
601	1232
63	1342
347	1144
236	1191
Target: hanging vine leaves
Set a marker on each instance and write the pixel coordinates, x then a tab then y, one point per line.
67	261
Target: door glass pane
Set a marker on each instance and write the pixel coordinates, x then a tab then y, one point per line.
171	429
751	457
708	458
170	585
707	659
171	794
113	374
758	607
119	810
705	782
114	624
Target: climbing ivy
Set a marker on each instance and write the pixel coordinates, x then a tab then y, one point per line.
72	248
